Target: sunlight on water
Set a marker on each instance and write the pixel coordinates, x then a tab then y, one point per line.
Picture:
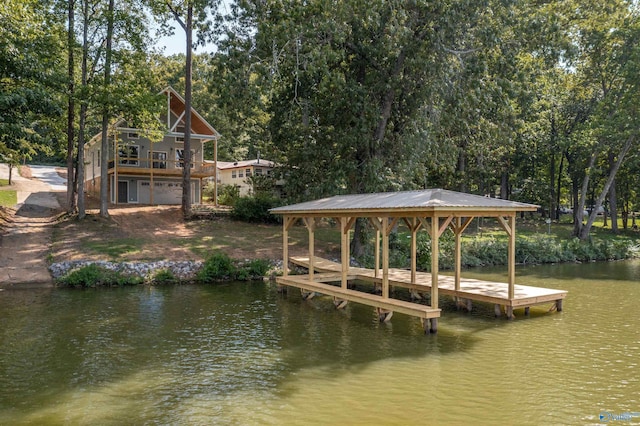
244	354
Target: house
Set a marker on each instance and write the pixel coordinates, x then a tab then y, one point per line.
150	171
239	173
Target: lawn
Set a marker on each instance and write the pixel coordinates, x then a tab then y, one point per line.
8	198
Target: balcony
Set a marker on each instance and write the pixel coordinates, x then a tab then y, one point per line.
159	167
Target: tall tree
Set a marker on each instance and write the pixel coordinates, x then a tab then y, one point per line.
31	46
182	11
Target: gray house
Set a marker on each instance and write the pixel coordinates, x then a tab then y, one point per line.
150	172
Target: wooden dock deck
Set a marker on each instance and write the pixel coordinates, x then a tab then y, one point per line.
470	289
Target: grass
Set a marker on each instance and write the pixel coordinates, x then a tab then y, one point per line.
116	249
8	198
4	182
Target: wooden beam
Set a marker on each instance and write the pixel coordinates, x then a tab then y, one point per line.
376	260
385	259
393	223
512	255
434	264
505	224
443	227
344	250
310	223
286	223
415	224
458	252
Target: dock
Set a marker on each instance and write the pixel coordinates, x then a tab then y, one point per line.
433	211
496	293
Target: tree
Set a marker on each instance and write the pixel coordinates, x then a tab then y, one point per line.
30	74
182	11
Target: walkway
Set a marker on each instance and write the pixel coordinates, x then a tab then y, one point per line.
25	240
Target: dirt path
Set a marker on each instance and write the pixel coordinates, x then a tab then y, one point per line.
26	232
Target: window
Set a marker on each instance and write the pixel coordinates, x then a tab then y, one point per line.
248	172
162	159
233	174
268	172
133	135
180	158
179	138
240	173
258	172
128	155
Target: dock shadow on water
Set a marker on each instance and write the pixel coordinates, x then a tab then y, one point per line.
241	353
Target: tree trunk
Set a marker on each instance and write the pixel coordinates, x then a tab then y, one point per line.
104	178
186	171
584	231
559	186
504	185
357	248
552	179
613	199
70	107
83	112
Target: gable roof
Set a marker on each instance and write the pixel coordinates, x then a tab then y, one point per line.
427	200
176	104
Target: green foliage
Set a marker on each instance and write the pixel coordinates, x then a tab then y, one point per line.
8	198
219	267
164	276
228	195
492	251
95	276
256	209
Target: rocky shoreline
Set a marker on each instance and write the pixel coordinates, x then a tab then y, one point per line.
183	270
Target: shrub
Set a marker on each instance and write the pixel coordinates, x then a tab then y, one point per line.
94	275
217	267
255	209
220	266
164	276
228	194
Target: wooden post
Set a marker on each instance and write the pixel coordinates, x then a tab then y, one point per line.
414	249
434	263
344	249
458	253
385	258
512	255
311	225
376	272
215	172
285	245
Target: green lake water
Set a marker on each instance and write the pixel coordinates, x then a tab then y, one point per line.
243	354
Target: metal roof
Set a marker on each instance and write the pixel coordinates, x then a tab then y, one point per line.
422	200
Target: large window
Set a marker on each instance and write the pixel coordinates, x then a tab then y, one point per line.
180	158
128	155
159	159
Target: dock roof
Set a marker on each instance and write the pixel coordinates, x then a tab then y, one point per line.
427	200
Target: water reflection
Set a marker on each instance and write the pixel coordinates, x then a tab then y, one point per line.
245	354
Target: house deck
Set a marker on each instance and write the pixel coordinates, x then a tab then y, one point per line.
470	289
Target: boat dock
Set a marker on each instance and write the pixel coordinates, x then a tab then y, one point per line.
496	293
433	211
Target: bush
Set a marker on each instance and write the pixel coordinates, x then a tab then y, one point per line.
255	209
164	276
95	276
219	267
228	194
